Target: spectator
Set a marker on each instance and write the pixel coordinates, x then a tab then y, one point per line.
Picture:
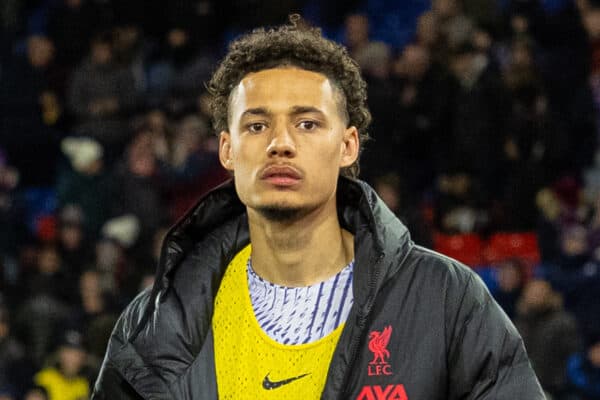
564	37
94	300
193	168
361	48
159	123
482	12
583	371
109	259
459	204
577	276
204	20
28	78
138	174
549	211
13	372
428	34
424	89
50	278
478	114
85	184
130	51
36	392
101	95
70	25
511	280
116	255
549	333
398	199
74	248
9	210
30	104
42	306
536	146
147	281
94	315
65	380
455	28
6	394
575	247
177	73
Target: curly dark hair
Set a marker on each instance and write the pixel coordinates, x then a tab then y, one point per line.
297	45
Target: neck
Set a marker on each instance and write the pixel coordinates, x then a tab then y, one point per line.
300	252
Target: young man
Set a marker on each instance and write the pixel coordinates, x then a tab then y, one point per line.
295	281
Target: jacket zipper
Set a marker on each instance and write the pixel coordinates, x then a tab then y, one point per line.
362	321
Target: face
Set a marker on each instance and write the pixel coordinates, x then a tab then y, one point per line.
49	261
445	8
427	30
71	360
537	293
357	29
594	355
89	284
73	3
40	51
141	155
389	195
101	53
414	62
509	277
71	236
287	140
35	394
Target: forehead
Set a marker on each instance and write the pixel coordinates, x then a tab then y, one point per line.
285	86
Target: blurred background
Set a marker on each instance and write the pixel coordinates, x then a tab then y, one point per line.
486	120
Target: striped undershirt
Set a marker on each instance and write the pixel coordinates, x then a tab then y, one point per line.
300	315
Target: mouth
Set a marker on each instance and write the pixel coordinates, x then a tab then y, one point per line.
281	175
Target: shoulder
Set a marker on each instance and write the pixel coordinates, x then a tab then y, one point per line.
446	274
461	294
130	318
82	386
561	321
133	313
109	383
46	376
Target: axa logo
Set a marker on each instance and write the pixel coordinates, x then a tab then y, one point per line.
378	342
377	392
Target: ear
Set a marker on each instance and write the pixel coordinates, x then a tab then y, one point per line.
350	147
225	154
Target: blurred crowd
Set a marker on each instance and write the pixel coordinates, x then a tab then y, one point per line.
486	119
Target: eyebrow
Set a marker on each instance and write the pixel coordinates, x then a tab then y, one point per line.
256	111
306	109
296	110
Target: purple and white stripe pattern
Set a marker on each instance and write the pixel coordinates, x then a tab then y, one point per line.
300	315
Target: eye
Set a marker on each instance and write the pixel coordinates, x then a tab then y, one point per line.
256	127
308	125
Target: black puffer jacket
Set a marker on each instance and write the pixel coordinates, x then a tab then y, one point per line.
449	339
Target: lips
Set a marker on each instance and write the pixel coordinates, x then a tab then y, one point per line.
281	175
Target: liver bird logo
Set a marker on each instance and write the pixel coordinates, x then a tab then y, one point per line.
378	342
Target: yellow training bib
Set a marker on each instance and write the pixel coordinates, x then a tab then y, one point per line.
250	364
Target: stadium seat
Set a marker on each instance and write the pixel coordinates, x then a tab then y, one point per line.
466	248
504	245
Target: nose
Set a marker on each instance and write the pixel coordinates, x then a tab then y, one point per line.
282	143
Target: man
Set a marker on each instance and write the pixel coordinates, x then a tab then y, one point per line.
549	333
100	95
331	300
66	380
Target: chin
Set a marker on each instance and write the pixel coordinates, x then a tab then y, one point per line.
281	214
283	209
